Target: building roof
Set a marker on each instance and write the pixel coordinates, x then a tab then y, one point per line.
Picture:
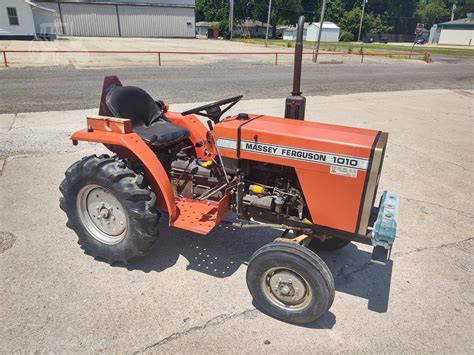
32	4
205	24
326	24
468	21
180	3
293	28
252	23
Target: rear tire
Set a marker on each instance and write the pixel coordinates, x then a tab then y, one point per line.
329	244
110	207
290	282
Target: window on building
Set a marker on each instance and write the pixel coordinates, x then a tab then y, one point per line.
12	16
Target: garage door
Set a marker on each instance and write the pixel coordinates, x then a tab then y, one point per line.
56	16
156	21
90	20
459	36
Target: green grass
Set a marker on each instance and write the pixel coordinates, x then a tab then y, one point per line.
376	47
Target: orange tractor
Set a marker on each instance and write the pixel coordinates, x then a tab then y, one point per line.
315	182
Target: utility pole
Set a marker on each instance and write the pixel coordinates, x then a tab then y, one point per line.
321	23
231	17
361	19
268	21
452	11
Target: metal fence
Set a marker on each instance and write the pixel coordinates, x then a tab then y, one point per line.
276	56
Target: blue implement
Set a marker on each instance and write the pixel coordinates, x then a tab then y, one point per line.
385	227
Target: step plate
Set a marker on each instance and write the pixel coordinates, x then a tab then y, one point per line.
199	216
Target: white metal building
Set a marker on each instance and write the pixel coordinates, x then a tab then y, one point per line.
457	32
330	32
123	18
23	19
289	33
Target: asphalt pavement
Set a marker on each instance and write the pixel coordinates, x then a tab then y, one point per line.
189	294
66	88
54	298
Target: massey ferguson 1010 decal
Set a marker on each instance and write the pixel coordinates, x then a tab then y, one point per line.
296	154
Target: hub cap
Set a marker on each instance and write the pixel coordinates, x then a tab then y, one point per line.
286	289
102	214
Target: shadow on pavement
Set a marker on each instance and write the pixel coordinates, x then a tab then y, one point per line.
222	252
326	321
217	254
355	275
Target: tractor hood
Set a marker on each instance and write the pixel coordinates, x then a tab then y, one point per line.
338	167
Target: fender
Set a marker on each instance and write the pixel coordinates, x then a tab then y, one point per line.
197	131
134	146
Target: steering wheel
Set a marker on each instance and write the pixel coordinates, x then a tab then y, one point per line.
213	110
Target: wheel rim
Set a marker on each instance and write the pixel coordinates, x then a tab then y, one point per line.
286	288
102	214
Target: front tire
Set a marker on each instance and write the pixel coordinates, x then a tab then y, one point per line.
290	282
110	208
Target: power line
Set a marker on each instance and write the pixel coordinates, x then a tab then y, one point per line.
286	9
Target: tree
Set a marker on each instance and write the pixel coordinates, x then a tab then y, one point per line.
213	11
432	12
399	16
310	10
400	13
350	22
284	12
335	10
463	7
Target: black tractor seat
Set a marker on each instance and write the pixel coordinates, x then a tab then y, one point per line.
148	120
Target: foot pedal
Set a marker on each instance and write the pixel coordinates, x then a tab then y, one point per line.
380	255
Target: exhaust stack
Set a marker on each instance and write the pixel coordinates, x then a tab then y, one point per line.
295	104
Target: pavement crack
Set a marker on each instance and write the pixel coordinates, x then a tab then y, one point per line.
3	164
437	205
464	93
430	156
215	321
15	116
441	246
343	274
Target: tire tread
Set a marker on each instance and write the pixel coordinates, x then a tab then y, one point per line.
137	198
268	252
